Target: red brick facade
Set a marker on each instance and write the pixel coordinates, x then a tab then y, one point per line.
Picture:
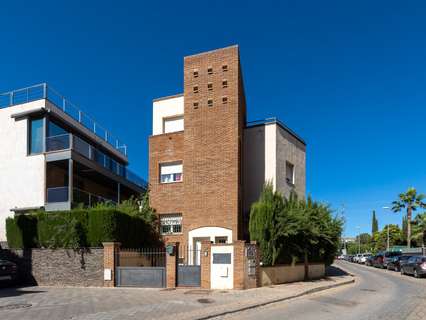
210	147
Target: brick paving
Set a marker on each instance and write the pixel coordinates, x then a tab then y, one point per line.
130	303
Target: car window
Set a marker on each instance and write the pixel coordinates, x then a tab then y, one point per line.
412	260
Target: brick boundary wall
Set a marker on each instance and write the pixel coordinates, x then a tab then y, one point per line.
205	264
111	250
58	267
171	265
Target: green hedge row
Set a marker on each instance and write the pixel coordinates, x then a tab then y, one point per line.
79	228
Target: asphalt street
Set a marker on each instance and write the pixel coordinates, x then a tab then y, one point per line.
376	294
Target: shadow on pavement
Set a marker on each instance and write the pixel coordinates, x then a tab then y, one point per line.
333	271
16	291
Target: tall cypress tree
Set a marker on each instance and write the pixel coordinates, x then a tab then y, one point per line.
374	224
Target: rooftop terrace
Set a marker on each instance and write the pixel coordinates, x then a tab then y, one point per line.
44	91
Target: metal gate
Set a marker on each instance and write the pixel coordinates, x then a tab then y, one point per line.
189	269
145	268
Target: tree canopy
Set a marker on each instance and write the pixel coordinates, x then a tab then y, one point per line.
289	230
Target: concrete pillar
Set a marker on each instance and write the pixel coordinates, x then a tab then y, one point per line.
111	250
205	264
70	181
171	263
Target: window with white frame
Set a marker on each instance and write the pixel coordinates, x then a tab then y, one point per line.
173	124
170	223
171	172
289	172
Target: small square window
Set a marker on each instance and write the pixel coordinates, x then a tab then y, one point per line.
225	68
210	102
195	73
210	70
195	105
210	86
225	84
195	89
224	100
220	239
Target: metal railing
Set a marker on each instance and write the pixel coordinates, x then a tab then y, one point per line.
70	141
43	91
141	257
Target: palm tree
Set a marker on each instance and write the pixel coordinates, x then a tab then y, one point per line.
419	229
410	201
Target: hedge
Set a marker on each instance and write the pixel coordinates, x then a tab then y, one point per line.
80	228
21	231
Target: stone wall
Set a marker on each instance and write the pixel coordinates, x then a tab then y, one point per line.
59	267
289	273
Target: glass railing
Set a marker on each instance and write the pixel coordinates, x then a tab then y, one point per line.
43	91
59	142
87	199
57	194
69	141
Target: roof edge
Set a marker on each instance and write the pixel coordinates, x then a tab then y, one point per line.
168	97
267	121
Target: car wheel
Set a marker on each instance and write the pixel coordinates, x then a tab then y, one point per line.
416	274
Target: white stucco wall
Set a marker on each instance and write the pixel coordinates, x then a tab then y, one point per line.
209	232
259	161
292	150
22	177
266	150
165	108
271	154
222	275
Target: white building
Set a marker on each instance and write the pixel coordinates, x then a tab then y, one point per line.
53	156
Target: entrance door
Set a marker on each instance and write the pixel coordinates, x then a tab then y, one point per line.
222	267
197	250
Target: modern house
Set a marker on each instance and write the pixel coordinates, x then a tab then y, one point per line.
54	157
207	164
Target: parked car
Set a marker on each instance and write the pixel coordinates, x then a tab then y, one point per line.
378	260
416	266
356	258
369	261
364	257
396	262
389	255
8	271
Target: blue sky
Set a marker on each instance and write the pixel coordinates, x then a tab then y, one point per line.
349	77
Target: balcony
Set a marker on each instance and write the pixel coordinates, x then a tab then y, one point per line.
80	197
43	91
72	142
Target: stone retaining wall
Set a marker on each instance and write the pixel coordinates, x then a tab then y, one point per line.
58	267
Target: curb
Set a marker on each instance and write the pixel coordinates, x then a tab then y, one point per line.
257	305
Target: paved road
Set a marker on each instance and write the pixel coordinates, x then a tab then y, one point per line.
376	294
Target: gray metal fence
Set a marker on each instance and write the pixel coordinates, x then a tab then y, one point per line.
144	267
189	268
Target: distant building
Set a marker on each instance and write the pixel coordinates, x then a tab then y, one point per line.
53	156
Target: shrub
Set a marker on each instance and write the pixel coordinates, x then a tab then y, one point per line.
63	229
108	224
21	231
291	230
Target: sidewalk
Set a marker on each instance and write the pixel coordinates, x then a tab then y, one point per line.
40	303
236	301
